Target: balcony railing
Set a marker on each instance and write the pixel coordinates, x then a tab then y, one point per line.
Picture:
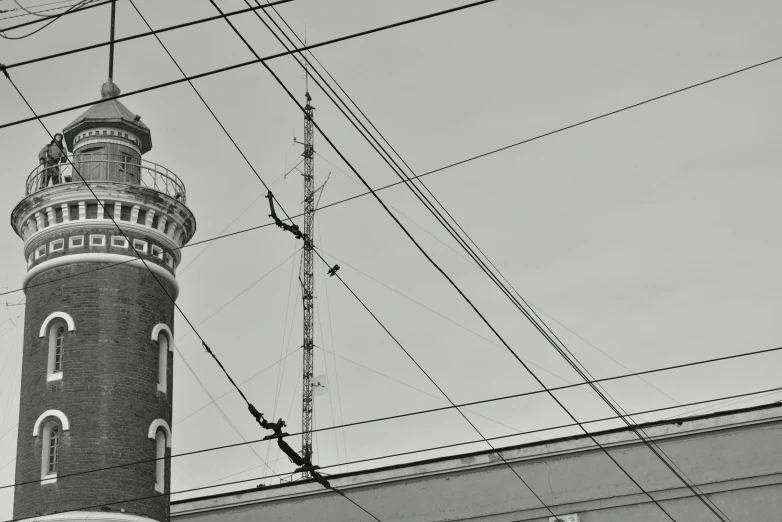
106	167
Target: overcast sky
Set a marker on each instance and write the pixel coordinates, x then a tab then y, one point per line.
646	239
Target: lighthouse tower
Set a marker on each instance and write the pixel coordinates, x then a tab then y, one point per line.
98	334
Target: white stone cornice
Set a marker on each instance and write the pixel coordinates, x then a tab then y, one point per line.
89	516
96	257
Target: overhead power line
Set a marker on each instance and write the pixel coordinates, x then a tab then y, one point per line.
447	277
243	64
564	352
308	241
69	11
141	35
443	408
28	10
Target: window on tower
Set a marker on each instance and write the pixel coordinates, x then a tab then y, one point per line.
161	434
162	362
57	337
50	437
160	463
140	245
119	242
54	439
59	345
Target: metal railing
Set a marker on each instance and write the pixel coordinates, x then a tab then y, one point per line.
106	167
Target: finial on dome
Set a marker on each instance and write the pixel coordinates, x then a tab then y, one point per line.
109	90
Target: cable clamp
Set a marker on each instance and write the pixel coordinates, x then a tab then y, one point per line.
5	71
293	229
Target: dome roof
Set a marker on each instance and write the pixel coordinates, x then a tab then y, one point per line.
109	111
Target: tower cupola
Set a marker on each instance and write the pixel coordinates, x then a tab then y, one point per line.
108	122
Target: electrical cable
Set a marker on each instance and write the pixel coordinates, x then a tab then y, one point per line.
418	176
605	379
146	256
71	10
315	124
439	269
23	8
333	347
472	263
36	13
242	64
251	407
250	378
435	448
225	229
430	206
136	36
342	280
426	412
213	401
435	265
236	145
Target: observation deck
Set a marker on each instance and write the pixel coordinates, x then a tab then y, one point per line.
114	168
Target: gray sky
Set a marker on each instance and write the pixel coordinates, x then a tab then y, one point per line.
650	234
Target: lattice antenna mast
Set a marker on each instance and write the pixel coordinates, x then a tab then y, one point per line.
308	278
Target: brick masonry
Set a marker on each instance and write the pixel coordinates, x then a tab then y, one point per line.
108	391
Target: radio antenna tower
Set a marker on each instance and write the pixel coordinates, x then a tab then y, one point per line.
308	277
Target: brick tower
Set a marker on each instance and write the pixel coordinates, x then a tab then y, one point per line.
98	335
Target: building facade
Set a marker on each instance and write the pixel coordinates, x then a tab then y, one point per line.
98	334
733	458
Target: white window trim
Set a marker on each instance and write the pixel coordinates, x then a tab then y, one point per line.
160	424
64	424
119	238
54	244
102	242
170	260
54	320
157	252
40	252
160	327
142	248
71	242
30	261
57	315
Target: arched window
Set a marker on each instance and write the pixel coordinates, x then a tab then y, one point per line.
59	345
56	350
56	328
49	428
50	451
54	438
160	463
162	363
161	434
163	337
